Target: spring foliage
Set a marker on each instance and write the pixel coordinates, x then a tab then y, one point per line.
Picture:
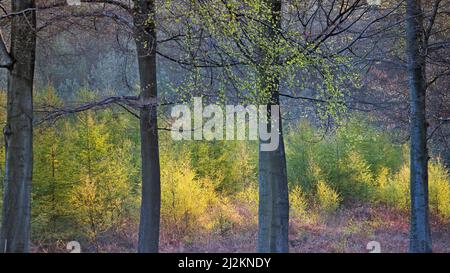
87	175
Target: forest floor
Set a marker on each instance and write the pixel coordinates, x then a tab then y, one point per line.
349	230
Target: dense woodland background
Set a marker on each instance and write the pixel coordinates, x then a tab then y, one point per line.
339	70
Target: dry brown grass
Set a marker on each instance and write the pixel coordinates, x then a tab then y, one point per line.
347	230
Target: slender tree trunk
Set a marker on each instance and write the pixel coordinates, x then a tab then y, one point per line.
15	230
145	37
420	237
273	185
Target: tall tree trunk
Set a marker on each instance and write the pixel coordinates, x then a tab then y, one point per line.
273	197
15	230
420	237
145	37
273	222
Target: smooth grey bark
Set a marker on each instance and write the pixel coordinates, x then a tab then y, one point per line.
273	214
273	221
18	132
265	210
145	38
420	236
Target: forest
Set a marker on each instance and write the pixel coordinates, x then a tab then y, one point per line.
225	126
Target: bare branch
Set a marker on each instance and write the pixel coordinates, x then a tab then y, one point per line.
52	112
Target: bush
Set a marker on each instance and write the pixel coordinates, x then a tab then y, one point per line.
348	158
357	183
185	200
328	199
229	164
297	203
395	192
358	163
439	190
100	196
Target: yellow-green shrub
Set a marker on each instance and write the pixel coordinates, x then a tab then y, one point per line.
327	198
394	191
297	203
359	179
439	190
185	200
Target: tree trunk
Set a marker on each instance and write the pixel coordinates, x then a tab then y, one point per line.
265	202
145	37
15	230
420	237
280	218
273	222
273	198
